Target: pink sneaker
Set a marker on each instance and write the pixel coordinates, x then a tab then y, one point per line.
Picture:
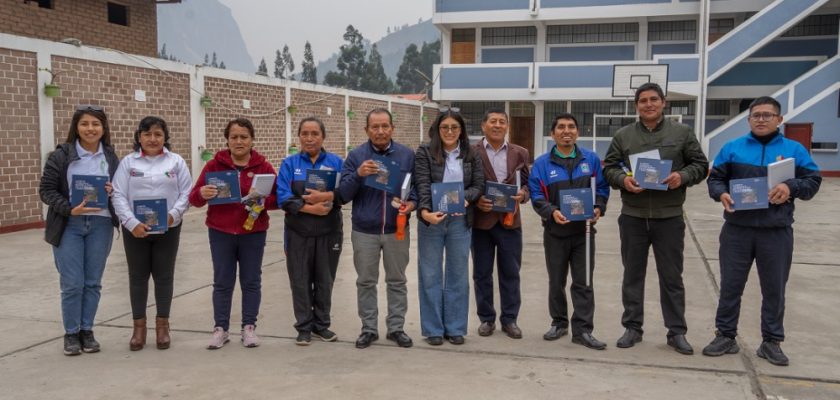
249	337
220	337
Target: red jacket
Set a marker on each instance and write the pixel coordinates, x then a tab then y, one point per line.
229	218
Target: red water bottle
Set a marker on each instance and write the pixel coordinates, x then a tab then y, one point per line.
402	219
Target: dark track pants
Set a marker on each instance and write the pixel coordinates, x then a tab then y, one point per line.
312	263
564	254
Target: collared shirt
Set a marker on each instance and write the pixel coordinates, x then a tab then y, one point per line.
498	159
454	171
88	164
139	177
560	154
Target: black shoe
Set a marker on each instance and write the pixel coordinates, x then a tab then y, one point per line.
680	344
401	338
588	340
434	340
721	345
457	340
512	330
72	345
89	343
555	332
325	335
772	352
303	338
629	338
486	328
365	339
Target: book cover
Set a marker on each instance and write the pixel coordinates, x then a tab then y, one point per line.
651	172
749	193
90	188
321	179
448	197
500	194
227	183
576	204
152	212
780	171
389	176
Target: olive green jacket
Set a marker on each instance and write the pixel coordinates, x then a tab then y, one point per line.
676	142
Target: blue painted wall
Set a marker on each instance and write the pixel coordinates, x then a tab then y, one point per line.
764	73
480	5
797	48
593	53
484	78
592	3
826	129
829	74
682	69
507	55
673	48
576	76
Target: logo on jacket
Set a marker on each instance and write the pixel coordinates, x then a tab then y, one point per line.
780	157
336	247
585	168
553	173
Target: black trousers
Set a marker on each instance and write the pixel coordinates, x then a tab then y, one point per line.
505	246
564	254
772	251
152	256
667	236
312	263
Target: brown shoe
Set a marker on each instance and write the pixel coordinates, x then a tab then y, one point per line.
162	332
138	336
512	330
486	328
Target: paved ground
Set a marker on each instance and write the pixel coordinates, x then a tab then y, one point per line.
32	366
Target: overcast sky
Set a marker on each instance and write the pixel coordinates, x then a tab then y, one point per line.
267	25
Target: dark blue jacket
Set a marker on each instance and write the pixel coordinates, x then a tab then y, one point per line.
372	210
549	176
291	183
746	157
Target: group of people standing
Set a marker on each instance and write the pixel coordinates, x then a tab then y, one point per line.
313	236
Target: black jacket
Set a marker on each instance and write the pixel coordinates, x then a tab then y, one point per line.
55	192
427	171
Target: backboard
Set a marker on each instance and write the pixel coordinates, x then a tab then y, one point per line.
628	77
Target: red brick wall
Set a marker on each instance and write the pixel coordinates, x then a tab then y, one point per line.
406	124
314	104
113	86
270	130
361	106
20	149
86	20
431	114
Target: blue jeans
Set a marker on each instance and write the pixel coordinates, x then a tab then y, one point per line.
80	261
227	250
444	292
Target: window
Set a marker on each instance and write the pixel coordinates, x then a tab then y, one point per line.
815	25
463	35
473	112
510	36
593	33
672	30
680	107
585	112
721	25
117	14
824	147
717	107
552	110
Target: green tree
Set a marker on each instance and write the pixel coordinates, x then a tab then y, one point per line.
309	72
215	62
351	62
222	65
262	69
162	54
206	60
374	79
409	81
288	62
279	65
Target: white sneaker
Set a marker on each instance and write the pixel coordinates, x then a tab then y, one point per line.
249	337
220	337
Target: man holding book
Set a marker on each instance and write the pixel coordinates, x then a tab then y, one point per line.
654	216
569	167
762	234
498	233
375	227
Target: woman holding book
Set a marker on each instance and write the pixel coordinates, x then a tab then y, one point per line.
237	229
306	190
151	189
444	291
81	234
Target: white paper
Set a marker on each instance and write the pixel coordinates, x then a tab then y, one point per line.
518	180
262	183
405	189
634	158
780	171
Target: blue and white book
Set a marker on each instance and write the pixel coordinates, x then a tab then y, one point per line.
651	172
389	176
90	188
500	194
749	193
320	179
227	183
576	204
448	197
154	213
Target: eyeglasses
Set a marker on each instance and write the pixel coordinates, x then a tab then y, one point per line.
450	128
763	116
446	109
89	107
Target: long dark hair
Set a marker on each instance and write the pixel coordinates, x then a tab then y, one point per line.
98	113
436	144
148	123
